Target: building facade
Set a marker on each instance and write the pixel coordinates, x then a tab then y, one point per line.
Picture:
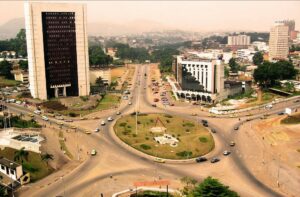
239	40
57	49
199	78
279	42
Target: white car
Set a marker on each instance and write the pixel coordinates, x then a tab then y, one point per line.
102	123
110	118
93	152
37	112
19	102
130	103
97	130
45	118
118	113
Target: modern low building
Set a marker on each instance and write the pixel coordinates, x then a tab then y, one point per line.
57	49
198	78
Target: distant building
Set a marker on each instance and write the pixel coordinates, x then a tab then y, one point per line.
260	46
245	54
291	26
294	35
112	52
278	43
239	40
57	48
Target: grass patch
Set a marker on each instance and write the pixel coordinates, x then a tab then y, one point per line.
203	139
188	136
8	82
294	119
17	122
151	194
35	165
63	145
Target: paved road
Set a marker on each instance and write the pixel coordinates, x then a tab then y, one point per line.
115	160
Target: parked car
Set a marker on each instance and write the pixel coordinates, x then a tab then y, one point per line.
232	143
236	128
130	103
214	160
68	120
45	118
118	113
153	105
159	160
204	121
226	152
102	123
280	113
87	132
213	131
201	159
156	100
97	130
37	112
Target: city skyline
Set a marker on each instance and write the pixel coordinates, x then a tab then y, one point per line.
168	15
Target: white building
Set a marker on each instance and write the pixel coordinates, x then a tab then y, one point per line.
239	40
199	78
57	48
279	41
245	54
261	46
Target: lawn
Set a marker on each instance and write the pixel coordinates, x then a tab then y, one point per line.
108	101
294	119
8	82
34	164
194	139
117	72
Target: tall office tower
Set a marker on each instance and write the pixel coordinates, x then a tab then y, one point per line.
57	49
278	42
239	40
290	24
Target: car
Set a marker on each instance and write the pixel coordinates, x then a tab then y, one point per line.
214	160
68	120
204	121
110	118
37	112
93	152
130	103
194	114
59	118
125	97
236	128
269	106
159	160
102	123
280	113
73	127
153	105
201	159
118	113
226	152
45	118
31	115
213	131
87	132
296	101
156	100
205	124
97	130
83	118
232	143
19	102
172	104
12	100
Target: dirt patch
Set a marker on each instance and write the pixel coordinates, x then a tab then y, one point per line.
81	103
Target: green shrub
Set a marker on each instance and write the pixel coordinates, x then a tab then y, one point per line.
145	146
122	124
134	135
168	121
189	124
72	114
139	122
185	154
168	116
203	139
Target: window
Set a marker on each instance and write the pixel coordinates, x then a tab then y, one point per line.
2	167
12	172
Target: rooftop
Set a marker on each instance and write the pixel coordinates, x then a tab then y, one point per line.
8	163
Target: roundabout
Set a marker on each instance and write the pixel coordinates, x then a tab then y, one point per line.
164	136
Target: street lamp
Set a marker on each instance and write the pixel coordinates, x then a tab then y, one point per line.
62	179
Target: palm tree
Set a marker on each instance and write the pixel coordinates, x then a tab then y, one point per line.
47	157
21	154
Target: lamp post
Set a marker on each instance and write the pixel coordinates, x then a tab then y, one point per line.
62	179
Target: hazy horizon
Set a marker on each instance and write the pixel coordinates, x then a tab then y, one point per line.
201	16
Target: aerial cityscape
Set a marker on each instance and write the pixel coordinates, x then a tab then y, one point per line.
149	98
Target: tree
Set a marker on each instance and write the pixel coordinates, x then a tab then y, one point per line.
47	157
21	155
99	81
23	64
289	87
98	57
267	74
189	185
258	58
211	188
5	68
234	66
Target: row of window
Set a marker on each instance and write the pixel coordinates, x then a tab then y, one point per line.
11	171
193	65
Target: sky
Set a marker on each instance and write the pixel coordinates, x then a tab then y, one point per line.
185	15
